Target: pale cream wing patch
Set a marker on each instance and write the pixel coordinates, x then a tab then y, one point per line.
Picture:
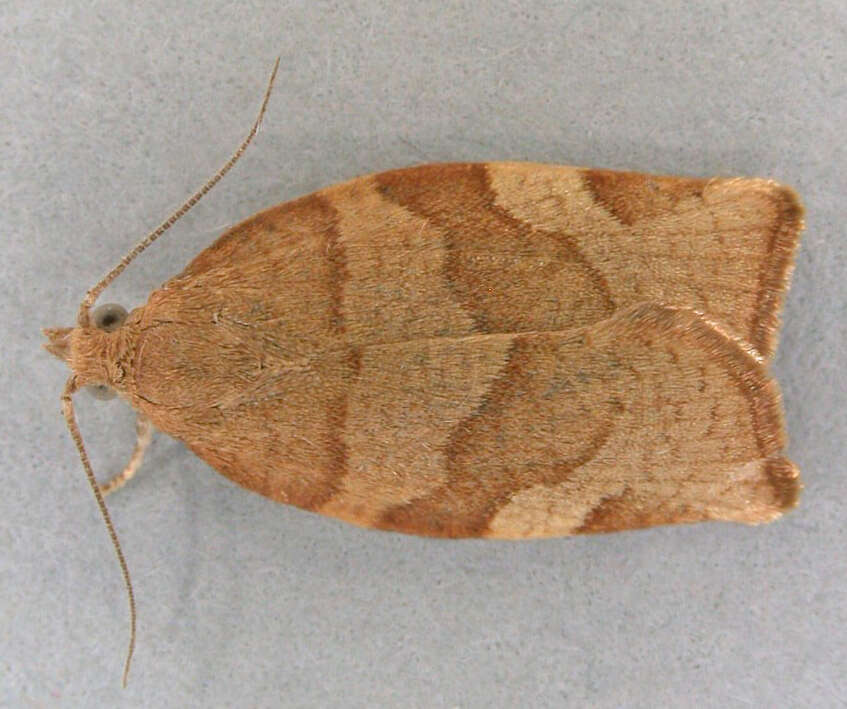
723	247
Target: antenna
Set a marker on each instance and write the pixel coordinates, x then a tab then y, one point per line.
83	319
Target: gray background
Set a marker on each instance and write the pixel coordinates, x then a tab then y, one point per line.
113	111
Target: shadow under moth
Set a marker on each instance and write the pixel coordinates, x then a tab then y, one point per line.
499	349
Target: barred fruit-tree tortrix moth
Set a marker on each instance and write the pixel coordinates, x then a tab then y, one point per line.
496	349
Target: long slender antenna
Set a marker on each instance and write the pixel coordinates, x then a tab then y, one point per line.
68	410
94	293
83	320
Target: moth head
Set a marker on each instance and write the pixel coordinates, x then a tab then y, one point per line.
97	351
94	349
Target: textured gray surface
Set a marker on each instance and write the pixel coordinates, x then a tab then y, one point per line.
113	111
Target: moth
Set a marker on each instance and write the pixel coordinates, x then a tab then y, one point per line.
499	349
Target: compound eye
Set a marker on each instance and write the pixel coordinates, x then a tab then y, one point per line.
101	391
109	316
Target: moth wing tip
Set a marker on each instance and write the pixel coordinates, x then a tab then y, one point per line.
785	481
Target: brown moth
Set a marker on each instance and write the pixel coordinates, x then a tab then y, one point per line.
499	349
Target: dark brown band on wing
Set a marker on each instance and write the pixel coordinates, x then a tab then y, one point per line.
489	458
493	258
634	196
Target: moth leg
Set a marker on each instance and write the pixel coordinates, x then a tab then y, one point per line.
143	436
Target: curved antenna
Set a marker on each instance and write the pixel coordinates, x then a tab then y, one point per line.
94	293
71	387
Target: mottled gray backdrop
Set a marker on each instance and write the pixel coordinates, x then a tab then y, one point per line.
112	111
